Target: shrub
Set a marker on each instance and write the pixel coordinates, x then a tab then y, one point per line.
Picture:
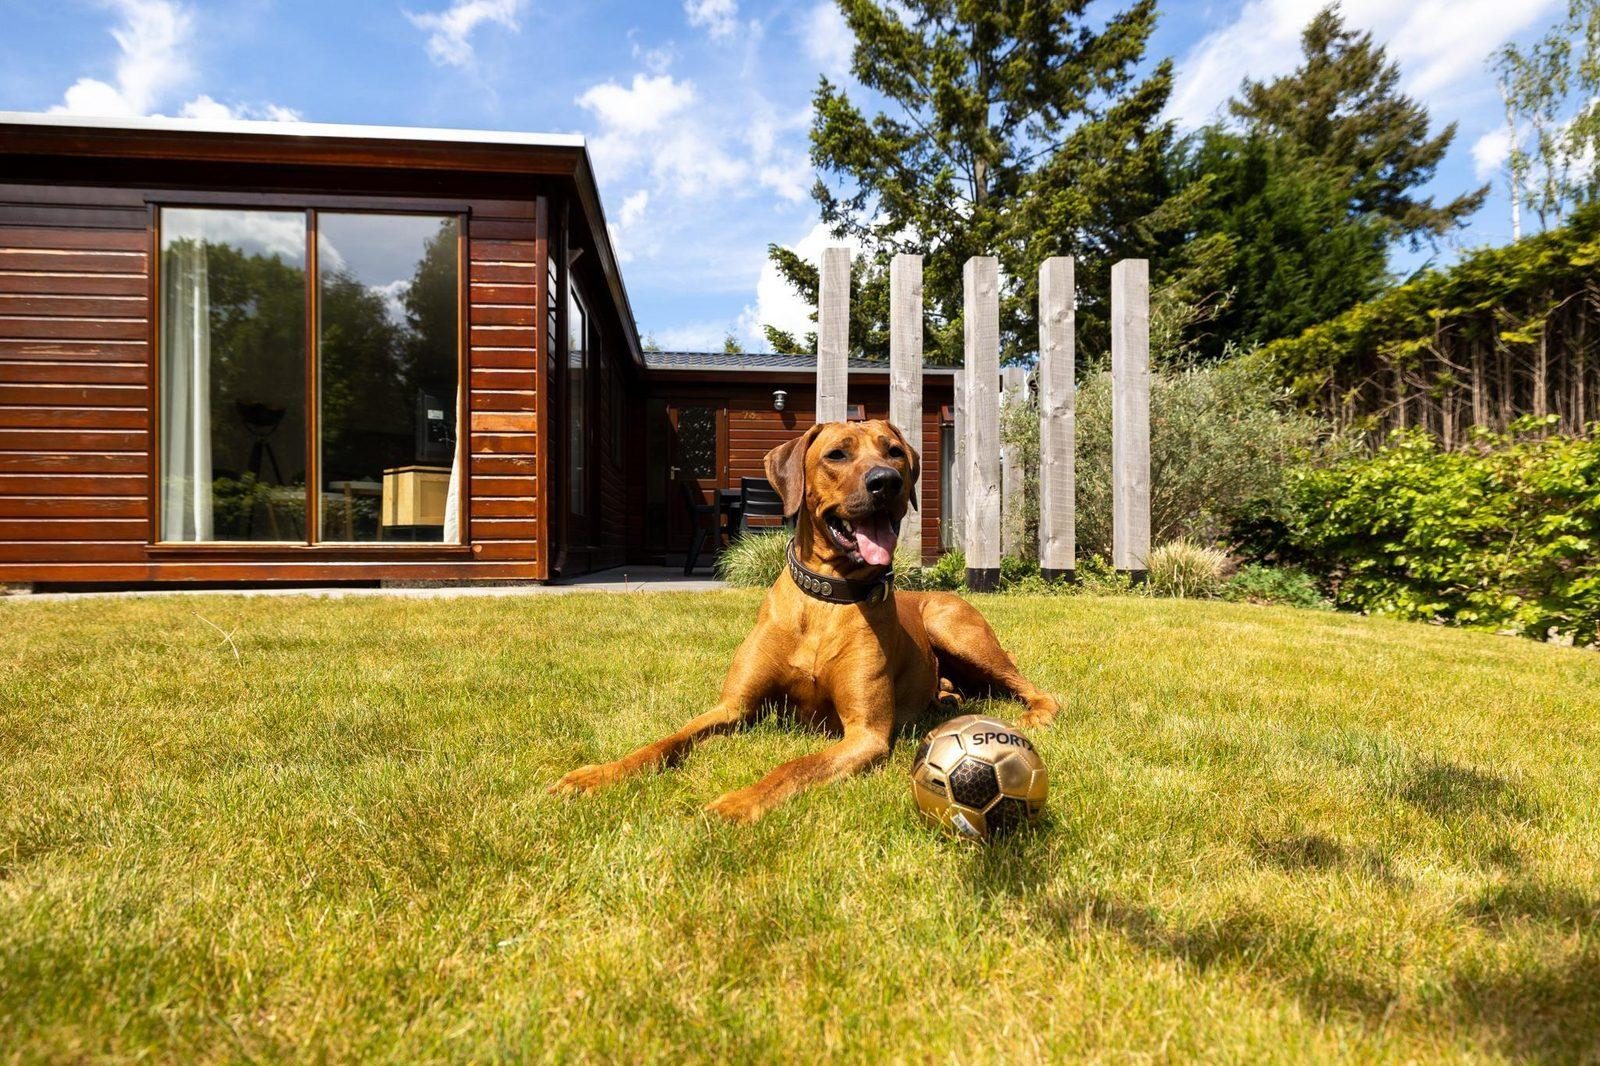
947	574
754	560
1288	586
1221	440
1187	570
1504	535
1099	578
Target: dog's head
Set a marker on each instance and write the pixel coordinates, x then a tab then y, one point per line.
850	483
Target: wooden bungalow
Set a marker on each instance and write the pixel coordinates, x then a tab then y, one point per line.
236	353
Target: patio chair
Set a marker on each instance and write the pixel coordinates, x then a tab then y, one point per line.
705	521
758	499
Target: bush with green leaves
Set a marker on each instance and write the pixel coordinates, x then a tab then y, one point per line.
1221	441
1289	586
1502	535
948	573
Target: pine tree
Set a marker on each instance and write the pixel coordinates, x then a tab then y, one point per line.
1342	108
1291	254
1017	128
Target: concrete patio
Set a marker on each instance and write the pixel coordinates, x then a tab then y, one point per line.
622	579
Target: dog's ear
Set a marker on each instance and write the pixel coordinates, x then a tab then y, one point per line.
786	469
916	463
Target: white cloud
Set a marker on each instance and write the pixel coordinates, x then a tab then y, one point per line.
655	60
719	17
204	107
1438	43
781	164
1490	152
633	208
690	160
632	213
151	36
827	38
641	107
706	336
643	126
792	183
274	233
155	39
449	31
777	304
393	295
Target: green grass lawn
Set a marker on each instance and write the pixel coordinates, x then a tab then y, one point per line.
1273	834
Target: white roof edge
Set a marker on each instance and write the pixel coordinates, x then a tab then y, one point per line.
294	129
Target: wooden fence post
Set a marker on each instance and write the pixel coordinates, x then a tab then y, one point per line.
833	335
1058	510
905	372
1013	391
1130	416
981	323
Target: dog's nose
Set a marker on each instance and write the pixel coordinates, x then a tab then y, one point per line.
883	481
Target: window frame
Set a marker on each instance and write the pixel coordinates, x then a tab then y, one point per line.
310	206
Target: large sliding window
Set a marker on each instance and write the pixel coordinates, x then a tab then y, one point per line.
301	409
577	405
233	375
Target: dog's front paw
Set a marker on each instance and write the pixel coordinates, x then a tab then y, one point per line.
1042	710
740	808
948	699
586	779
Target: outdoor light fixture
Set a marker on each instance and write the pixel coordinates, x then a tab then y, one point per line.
779	398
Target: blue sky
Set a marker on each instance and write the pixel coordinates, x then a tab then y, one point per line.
696	110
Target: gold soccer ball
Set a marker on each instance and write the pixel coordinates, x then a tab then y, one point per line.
978	777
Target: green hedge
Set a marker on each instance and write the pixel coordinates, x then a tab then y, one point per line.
1503	534
1504	333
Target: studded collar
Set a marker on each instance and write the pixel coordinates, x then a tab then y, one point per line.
831	589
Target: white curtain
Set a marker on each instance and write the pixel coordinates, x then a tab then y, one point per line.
452	499
186	395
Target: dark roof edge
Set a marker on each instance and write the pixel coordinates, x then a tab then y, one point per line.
555	154
790	371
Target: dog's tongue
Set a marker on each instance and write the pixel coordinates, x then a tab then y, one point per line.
875	539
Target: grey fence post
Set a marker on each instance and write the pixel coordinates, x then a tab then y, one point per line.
905	372
981	286
1130	416
833	335
1058	508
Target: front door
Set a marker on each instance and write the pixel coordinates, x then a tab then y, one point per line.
697	455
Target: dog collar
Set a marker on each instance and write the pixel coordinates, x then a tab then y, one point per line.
838	589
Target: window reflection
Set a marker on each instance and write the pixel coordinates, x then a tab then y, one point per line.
233	375
389	329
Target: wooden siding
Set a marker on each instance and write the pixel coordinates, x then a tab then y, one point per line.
754	429
76	405
505	255
74	380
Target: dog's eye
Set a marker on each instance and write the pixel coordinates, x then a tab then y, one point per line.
896	452
838	455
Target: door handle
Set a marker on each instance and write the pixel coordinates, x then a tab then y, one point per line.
672	472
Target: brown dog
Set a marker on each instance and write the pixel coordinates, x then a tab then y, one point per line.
834	641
